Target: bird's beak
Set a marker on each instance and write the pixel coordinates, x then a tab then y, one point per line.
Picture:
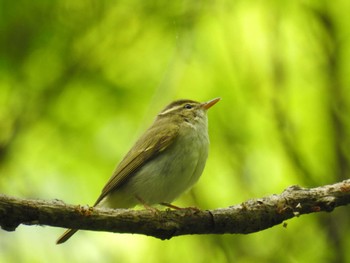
208	104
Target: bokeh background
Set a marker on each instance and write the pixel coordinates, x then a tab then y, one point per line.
80	81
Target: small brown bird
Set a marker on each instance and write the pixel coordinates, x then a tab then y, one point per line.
167	160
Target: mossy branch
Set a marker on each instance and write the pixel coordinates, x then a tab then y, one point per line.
248	217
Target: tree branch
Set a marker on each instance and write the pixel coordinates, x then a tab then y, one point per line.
251	216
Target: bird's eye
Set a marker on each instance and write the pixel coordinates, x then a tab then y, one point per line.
188	106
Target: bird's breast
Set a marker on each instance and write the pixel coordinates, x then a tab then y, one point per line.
173	171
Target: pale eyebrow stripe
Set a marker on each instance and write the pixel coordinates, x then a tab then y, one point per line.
170	110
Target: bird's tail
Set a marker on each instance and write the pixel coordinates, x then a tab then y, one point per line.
66	235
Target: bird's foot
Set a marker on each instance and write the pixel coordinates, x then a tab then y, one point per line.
171	206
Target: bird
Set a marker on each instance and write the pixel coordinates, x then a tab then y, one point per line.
166	161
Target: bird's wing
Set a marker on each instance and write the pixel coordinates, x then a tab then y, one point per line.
147	147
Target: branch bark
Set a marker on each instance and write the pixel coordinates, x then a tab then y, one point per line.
248	217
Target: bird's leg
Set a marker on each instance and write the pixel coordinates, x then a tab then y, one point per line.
145	205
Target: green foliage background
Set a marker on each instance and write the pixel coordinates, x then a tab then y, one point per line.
80	80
